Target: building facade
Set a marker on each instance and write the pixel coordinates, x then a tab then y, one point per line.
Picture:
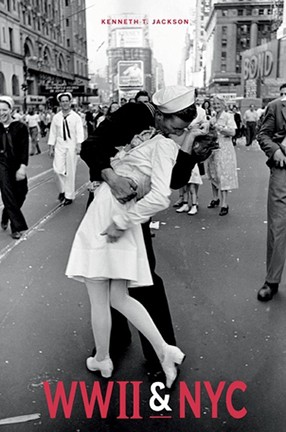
43	49
129	57
281	32
233	27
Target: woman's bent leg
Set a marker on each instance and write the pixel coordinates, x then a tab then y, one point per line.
135	312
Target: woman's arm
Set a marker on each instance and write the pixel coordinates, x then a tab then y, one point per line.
157	199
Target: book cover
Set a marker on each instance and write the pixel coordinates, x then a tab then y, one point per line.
233	377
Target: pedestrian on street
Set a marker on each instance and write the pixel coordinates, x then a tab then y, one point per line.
191	191
238	122
250	118
89	118
272	140
206	105
114	106
142	96
129	120
109	254
222	166
33	121
14	154
192	187
65	138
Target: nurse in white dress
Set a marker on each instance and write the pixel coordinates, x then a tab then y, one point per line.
108	252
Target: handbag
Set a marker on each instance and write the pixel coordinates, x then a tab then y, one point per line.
204	145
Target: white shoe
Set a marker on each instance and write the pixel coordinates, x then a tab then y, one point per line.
105	366
184	208
172	355
194	209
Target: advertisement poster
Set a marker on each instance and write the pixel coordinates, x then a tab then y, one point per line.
233	377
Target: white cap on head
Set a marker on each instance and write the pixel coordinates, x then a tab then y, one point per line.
8	100
172	99
60	95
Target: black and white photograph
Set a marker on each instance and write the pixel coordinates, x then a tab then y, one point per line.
143	215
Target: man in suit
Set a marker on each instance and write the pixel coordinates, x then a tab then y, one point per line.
272	140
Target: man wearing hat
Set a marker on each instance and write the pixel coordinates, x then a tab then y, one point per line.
66	135
14	154
173	112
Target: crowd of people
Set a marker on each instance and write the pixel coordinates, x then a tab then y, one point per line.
138	151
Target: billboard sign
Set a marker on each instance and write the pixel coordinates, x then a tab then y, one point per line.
131	38
62	87
131	73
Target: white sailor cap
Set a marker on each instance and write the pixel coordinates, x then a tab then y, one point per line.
60	95
172	99
8	100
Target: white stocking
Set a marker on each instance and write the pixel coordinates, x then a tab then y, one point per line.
98	292
136	313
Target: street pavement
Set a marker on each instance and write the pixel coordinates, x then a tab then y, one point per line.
212	267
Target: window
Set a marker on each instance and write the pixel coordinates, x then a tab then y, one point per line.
67	2
224	30
11	42
240	12
225	13
223	61
2	83
8	5
4	34
15	86
67	22
238	63
68	43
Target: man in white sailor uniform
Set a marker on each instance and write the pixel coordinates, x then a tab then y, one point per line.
65	138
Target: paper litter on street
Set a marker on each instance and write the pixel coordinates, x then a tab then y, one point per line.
154	225
19	419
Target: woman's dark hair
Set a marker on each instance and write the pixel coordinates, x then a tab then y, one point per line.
282	86
110	106
206	101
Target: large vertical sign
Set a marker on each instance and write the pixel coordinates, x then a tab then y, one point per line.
131	73
259	69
